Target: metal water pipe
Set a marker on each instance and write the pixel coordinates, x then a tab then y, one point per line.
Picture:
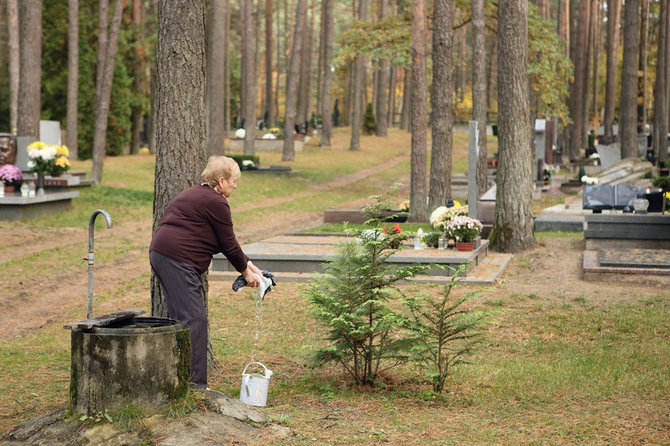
91	256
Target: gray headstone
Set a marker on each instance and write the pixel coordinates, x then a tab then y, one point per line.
609	154
22	143
50	132
473	156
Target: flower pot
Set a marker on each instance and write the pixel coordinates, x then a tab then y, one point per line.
465	246
9	189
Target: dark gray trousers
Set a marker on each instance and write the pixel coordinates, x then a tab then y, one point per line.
182	288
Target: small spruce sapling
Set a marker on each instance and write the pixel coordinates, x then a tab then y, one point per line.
352	301
442	332
369	121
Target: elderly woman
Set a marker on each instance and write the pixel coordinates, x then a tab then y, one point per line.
196	225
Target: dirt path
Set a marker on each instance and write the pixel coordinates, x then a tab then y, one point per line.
29	302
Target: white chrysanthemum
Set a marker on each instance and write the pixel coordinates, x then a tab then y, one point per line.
240	133
269	136
30	164
437	214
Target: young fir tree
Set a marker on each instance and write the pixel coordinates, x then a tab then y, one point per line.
352	301
442	332
369	121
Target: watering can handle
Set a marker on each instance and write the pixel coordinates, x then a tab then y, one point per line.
251	363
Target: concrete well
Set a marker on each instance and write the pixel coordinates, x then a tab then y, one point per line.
143	361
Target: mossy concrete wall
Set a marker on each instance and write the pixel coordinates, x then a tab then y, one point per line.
116	367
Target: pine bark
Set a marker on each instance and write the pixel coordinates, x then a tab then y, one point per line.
578	89
660	120
14	62
479	89
391	102
406	100
628	101
595	54
216	76
642	63
226	77
613	19
181	112
418	115
359	86
30	55
328	22
288	153
249	78
139	81
383	79
72	77
105	93
268	112
103	19
513	222
441	98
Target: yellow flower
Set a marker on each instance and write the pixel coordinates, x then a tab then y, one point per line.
62	161
62	150
39	145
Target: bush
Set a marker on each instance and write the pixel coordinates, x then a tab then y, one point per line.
662	182
369	121
240	160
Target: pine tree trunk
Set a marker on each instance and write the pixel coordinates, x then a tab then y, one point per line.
441	98
216	76
359	86
418	115
303	90
628	101
479	89
383	79
72	77
268	111
406	99
595	53
14	62
181	112
328	22
139	81
249	78
103	18
30	54
102	105
642	64
228	119
513	222
288	153
613	19
578	87
660	120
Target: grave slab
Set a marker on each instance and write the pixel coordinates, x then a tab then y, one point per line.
15	207
307	254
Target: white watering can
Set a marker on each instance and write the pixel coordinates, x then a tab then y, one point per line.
254	389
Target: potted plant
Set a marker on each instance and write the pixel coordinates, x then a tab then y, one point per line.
47	159
395	235
442	215
11	177
464	230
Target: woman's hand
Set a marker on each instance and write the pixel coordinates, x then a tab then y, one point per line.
254	268
253	279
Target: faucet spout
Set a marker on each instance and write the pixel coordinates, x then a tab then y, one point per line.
91	255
